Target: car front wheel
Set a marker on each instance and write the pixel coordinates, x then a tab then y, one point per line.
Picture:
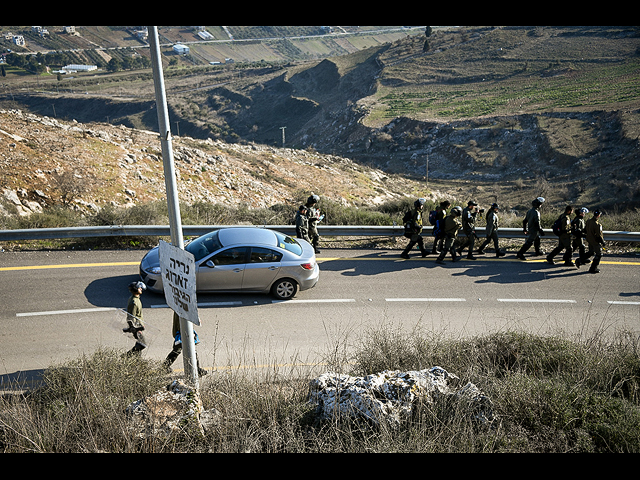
284	289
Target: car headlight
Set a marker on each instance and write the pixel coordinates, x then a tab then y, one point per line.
155	270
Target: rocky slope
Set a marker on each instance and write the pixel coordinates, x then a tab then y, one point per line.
45	162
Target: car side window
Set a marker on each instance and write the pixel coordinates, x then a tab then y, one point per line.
264	255
231	256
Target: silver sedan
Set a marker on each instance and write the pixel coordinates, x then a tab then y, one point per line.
244	259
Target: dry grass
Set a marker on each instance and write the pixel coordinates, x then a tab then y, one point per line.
550	394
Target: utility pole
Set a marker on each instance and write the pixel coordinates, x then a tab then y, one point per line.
282	128
427	171
175	222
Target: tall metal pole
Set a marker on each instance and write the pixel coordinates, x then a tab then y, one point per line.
175	222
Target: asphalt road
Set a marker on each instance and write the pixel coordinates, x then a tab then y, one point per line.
60	305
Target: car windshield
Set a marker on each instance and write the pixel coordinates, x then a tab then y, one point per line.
288	243
204	245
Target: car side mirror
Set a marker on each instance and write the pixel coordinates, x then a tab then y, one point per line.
209	264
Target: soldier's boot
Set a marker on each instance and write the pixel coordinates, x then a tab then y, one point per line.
173	355
523	250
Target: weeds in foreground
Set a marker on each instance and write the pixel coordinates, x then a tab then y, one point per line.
551	394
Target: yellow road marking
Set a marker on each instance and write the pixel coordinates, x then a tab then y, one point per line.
69	265
319	259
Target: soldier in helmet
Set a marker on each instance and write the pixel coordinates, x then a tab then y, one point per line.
438	240
302	224
595	239
413	229
134	317
531	226
314	216
452	225
492	230
578	230
564	240
469	227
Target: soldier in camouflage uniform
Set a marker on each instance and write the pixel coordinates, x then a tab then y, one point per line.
595	239
564	240
413	229
578	230
314	216
452	226
302	224
469	227
531	226
492	231
134	317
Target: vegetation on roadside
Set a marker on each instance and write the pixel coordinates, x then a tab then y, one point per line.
549	394
204	213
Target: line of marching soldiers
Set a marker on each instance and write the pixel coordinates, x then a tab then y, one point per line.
570	232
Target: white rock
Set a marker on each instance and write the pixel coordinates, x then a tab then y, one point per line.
389	397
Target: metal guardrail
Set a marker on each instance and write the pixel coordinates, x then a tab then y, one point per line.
196	230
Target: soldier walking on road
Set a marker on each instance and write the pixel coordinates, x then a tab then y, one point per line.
413	229
302	224
492	231
564	239
531	226
135	323
452	226
313	214
438	228
469	228
578	230
177	346
595	239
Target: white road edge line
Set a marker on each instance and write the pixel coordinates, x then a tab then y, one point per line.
61	312
620	302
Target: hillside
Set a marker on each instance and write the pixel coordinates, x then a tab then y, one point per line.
48	162
498	114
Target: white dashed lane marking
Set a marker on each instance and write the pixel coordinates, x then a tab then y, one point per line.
316	301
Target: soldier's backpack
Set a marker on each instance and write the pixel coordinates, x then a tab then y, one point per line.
557	226
407	217
433	217
437	228
407	221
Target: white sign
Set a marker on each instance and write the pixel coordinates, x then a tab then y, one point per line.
179	281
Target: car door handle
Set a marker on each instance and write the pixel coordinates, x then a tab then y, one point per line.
237	270
273	268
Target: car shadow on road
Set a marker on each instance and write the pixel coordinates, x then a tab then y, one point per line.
21	380
110	291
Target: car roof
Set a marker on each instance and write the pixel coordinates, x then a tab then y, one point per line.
247	235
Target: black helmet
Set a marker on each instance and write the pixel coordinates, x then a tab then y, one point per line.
538	201
134	286
419	203
457	211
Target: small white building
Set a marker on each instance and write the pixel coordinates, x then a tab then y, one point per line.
79	68
181	49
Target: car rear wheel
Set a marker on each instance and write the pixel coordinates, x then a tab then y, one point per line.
284	289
